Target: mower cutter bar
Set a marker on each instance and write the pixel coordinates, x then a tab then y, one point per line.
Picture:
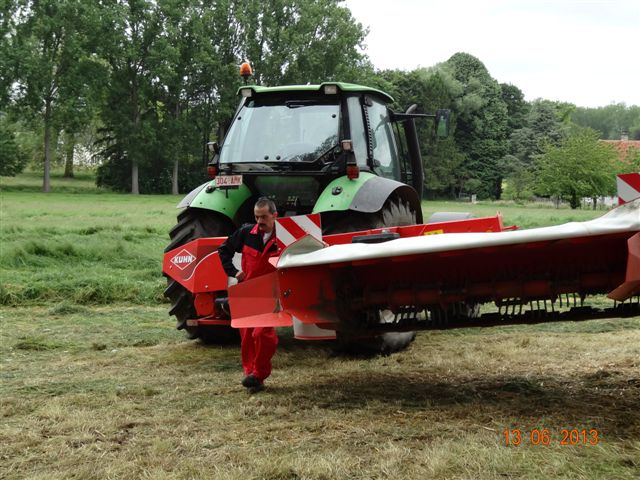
427	320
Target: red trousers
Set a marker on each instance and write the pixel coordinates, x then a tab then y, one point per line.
257	348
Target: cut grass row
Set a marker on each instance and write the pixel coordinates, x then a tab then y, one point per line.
84	181
102	248
82	248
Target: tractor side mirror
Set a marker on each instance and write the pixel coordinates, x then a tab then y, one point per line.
442	123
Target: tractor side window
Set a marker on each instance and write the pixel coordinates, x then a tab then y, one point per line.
356	125
385	152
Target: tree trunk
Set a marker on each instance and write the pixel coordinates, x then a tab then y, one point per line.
574	201
46	182
69	146
134	150
498	188
174	176
595	202
206	129
174	179
134	178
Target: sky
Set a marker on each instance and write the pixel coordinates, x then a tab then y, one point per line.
586	52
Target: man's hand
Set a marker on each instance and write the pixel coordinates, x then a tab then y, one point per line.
240	276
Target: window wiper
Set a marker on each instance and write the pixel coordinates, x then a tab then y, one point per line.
299	103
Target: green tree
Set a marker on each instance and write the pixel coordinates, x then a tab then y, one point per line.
519	179
543	125
481	123
213	75
631	162
171	56
51	64
175	61
12	159
581	166
8	61
300	41
612	121
517	107
176	64
128	113
83	86
432	89
429	89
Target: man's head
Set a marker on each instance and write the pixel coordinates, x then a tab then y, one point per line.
265	213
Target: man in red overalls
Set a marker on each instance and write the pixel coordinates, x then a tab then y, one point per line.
257	243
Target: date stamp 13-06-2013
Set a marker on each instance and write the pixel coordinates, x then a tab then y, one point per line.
546	436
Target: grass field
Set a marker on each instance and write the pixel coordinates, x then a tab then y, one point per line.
96	382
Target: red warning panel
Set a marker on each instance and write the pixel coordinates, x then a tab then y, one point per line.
628	187
290	229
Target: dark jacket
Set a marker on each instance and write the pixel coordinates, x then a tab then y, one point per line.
255	254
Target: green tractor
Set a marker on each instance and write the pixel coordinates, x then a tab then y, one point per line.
336	149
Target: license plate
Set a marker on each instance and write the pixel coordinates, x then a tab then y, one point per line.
229	181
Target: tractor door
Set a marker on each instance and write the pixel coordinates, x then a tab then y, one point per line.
386	161
372	135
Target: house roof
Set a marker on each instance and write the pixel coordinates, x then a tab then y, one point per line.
624	146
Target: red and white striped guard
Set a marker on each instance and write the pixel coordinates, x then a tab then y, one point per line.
290	229
628	187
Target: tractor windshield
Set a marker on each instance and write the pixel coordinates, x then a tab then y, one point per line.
282	130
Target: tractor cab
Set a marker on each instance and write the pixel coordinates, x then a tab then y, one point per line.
290	143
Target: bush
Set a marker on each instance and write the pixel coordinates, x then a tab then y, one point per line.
12	160
154	177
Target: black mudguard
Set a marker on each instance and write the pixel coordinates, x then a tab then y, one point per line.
375	192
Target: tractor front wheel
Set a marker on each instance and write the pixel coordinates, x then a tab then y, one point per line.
194	223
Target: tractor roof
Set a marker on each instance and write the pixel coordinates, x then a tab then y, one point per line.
345	87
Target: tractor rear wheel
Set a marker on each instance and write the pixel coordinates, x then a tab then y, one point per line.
194	223
396	212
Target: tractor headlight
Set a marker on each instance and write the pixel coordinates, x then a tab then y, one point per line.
330	89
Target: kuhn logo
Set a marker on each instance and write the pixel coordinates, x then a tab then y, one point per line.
183	259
